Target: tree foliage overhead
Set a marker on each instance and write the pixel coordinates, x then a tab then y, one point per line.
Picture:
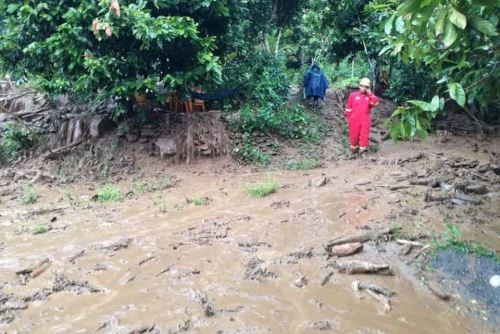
97	48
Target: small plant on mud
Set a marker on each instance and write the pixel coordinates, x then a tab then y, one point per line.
198	201
142	187
304	164
250	154
262	189
161	204
29	195
15	140
70	198
109	194
39	229
453	241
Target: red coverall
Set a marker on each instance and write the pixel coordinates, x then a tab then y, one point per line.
358	111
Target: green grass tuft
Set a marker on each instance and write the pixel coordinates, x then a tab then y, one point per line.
39	229
262	189
109	194
304	164
29	195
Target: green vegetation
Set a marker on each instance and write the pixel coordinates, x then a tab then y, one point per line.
29	195
140	187
426	55
304	164
453	241
198	201
161	204
250	154
15	140
39	229
109	194
262	189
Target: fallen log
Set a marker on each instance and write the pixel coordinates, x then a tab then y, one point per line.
405	250
436	198
375	288
466	164
467	198
326	278
345	249
408	242
361	237
420	252
28	271
379	293
60	151
438	291
363	267
40	269
76	255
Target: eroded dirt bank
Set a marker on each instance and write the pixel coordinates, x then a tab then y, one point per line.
156	263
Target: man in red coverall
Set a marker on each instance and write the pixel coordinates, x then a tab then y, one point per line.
359	106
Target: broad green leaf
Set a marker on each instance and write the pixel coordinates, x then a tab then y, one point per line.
450	35
384	50
421	104
457	18
484	26
400	25
440	22
435	103
422	134
389	23
457	93
395	127
407	7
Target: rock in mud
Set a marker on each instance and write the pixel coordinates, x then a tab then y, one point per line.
345	249
115	245
321	325
256	270
495	281
319	181
301	281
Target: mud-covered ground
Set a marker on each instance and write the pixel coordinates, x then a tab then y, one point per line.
156	262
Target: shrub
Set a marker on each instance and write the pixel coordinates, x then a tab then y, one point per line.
109	194
304	164
39	229
29	196
15	140
262	189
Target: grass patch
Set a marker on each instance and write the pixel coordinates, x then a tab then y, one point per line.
304	164
161	204
198	201
262	189
29	195
452	241
140	187
109	194
39	229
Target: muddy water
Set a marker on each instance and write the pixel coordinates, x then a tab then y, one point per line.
187	270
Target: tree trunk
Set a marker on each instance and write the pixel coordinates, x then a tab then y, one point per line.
277	47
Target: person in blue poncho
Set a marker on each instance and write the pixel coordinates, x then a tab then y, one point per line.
315	84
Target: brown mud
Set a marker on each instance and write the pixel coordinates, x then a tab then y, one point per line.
157	263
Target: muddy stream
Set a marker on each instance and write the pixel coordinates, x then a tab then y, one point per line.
236	265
